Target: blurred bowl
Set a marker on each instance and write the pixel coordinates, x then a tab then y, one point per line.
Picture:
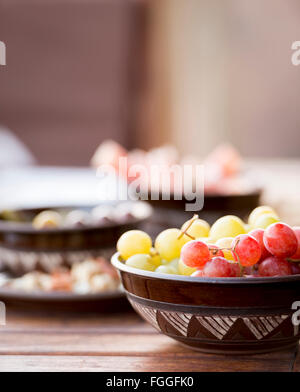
172	213
216	315
24	248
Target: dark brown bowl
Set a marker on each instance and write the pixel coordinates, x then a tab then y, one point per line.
216	315
24	249
171	213
237	204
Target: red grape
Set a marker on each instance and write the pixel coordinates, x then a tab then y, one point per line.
295	267
250	271
246	250
218	267
215	251
274	266
296	256
195	254
280	240
258	234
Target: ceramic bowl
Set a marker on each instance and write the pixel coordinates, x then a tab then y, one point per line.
24	249
216	315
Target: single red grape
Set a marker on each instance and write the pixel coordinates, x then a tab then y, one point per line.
274	266
258	234
280	240
219	267
215	251
295	267
246	250
296	256
195	254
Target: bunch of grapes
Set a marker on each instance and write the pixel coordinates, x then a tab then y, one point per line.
230	248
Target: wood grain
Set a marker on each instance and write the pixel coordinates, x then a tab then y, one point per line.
118	342
198	363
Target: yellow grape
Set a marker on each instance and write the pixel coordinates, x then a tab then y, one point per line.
226	243
199	228
47	219
141	261
227	226
259	211
169	245
184	269
265	220
134	242
166	269
155	257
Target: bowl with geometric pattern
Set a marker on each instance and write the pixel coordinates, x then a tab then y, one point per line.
217	315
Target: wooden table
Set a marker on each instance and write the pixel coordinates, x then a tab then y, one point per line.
116	342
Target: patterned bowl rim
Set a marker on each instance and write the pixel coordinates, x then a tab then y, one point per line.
17	227
119	264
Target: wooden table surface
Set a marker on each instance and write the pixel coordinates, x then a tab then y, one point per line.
116	342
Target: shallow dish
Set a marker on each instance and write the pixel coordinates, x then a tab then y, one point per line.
110	301
216	315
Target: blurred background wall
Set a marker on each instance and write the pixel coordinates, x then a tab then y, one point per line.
72	73
224	72
144	72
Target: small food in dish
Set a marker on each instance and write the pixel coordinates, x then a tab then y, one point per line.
86	277
47	219
227	249
77	218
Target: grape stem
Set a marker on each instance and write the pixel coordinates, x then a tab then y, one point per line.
184	232
238	258
214	251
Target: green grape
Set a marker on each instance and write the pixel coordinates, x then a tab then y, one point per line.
155	257
134	242
174	263
141	261
258	212
227	226
265	220
166	269
184	269
169	245
199	228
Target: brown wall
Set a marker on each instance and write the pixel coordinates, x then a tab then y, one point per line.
224	73
70	76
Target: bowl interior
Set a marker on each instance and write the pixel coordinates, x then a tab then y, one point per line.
22	221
